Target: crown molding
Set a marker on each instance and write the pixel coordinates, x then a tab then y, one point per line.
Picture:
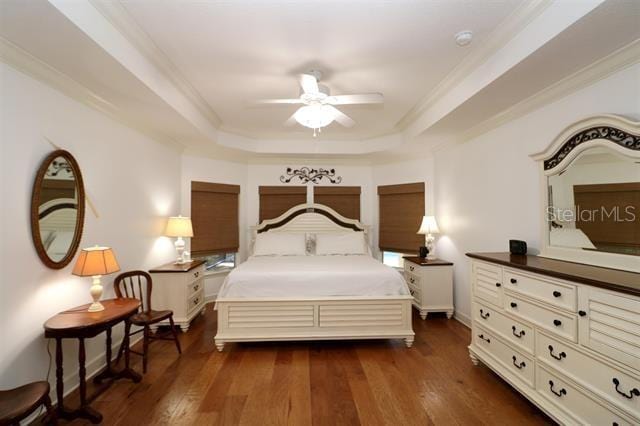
497	39
117	15
28	64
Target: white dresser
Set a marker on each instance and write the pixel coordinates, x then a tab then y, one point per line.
566	335
179	288
430	282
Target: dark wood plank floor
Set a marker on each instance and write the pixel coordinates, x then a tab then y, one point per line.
319	383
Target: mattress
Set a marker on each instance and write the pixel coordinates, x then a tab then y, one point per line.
312	276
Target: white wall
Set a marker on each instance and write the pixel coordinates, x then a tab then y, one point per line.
488	189
134	184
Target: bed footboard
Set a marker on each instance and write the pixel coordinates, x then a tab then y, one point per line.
257	320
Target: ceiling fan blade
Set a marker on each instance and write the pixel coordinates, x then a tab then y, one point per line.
365	98
309	83
278	101
291	121
341	117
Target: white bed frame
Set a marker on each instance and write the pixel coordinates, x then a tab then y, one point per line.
313	318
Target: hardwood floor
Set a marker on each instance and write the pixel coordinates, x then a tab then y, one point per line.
319	383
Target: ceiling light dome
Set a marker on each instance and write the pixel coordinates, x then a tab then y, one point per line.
314	116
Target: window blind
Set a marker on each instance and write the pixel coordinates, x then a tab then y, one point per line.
401	208
275	200
214	216
343	199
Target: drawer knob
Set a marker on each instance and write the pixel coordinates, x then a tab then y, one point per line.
520	365
412	280
411	268
559	356
557	322
498	285
557	294
483	315
513	280
518	334
484	338
633	392
196	287
196	301
559	393
582	313
514	304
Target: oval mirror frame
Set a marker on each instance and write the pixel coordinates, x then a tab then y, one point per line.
35	204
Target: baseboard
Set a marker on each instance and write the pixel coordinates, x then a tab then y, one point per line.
462	318
210	298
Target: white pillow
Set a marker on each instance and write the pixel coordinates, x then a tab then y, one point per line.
348	243
280	243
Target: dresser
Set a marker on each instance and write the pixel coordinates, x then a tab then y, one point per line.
566	335
179	288
430	282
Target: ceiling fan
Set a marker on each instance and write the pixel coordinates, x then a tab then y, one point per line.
318	108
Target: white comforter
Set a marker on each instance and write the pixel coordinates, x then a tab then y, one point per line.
312	276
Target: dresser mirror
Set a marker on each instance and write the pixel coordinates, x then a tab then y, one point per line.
591	193
57	209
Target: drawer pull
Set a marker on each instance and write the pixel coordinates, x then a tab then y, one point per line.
513	281
412	280
413	293
196	287
498	285
633	392
411	268
514	304
557	322
518	334
520	365
484	338
557	294
582	313
483	315
196	301
561	392
559	356
196	274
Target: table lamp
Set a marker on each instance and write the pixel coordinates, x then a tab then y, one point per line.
95	262
179	227
428	227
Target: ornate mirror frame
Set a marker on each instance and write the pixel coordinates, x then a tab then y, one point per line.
611	131
35	204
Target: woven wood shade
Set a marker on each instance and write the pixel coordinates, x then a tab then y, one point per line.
214	216
401	211
343	199
275	200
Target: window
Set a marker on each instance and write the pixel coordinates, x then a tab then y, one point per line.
214	215
393	259
343	199
401	210
218	262
275	200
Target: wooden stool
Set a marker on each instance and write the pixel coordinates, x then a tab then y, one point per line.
17	404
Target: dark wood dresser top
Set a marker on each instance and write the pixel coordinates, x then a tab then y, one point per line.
612	279
174	267
423	261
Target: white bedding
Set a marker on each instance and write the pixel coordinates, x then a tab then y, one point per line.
312	276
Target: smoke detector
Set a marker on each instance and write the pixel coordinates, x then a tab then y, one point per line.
463	38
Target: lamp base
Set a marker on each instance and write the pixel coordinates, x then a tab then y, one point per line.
431	247
96	293
179	245
96	307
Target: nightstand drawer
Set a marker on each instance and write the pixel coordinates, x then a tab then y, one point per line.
412	279
415	292
195	287
195	301
195	274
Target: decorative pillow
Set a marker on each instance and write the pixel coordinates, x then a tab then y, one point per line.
311	243
347	243
280	244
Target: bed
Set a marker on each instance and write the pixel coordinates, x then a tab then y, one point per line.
331	297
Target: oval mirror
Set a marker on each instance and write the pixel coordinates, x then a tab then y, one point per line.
57	209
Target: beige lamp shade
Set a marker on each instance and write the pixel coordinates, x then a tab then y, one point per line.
428	226
96	261
178	226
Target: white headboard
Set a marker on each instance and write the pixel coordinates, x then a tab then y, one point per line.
310	218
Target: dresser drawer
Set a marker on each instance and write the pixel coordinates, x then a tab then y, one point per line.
611	325
412	279
520	365
576	403
411	267
195	287
591	373
513	331
554	293
195	301
564	325
487	282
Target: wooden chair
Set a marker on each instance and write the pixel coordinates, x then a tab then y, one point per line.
138	284
18	404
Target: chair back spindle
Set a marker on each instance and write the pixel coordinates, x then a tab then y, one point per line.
137	285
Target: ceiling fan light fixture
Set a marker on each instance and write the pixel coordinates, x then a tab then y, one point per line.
314	116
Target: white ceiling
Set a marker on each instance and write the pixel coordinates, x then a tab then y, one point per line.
236	52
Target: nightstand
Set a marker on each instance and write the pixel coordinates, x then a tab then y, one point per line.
179	288
430	282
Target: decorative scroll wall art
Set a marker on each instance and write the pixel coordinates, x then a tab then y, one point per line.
306	175
613	134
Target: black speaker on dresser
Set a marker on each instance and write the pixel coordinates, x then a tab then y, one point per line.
517	247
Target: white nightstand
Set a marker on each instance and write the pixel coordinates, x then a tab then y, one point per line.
179	288
430	282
